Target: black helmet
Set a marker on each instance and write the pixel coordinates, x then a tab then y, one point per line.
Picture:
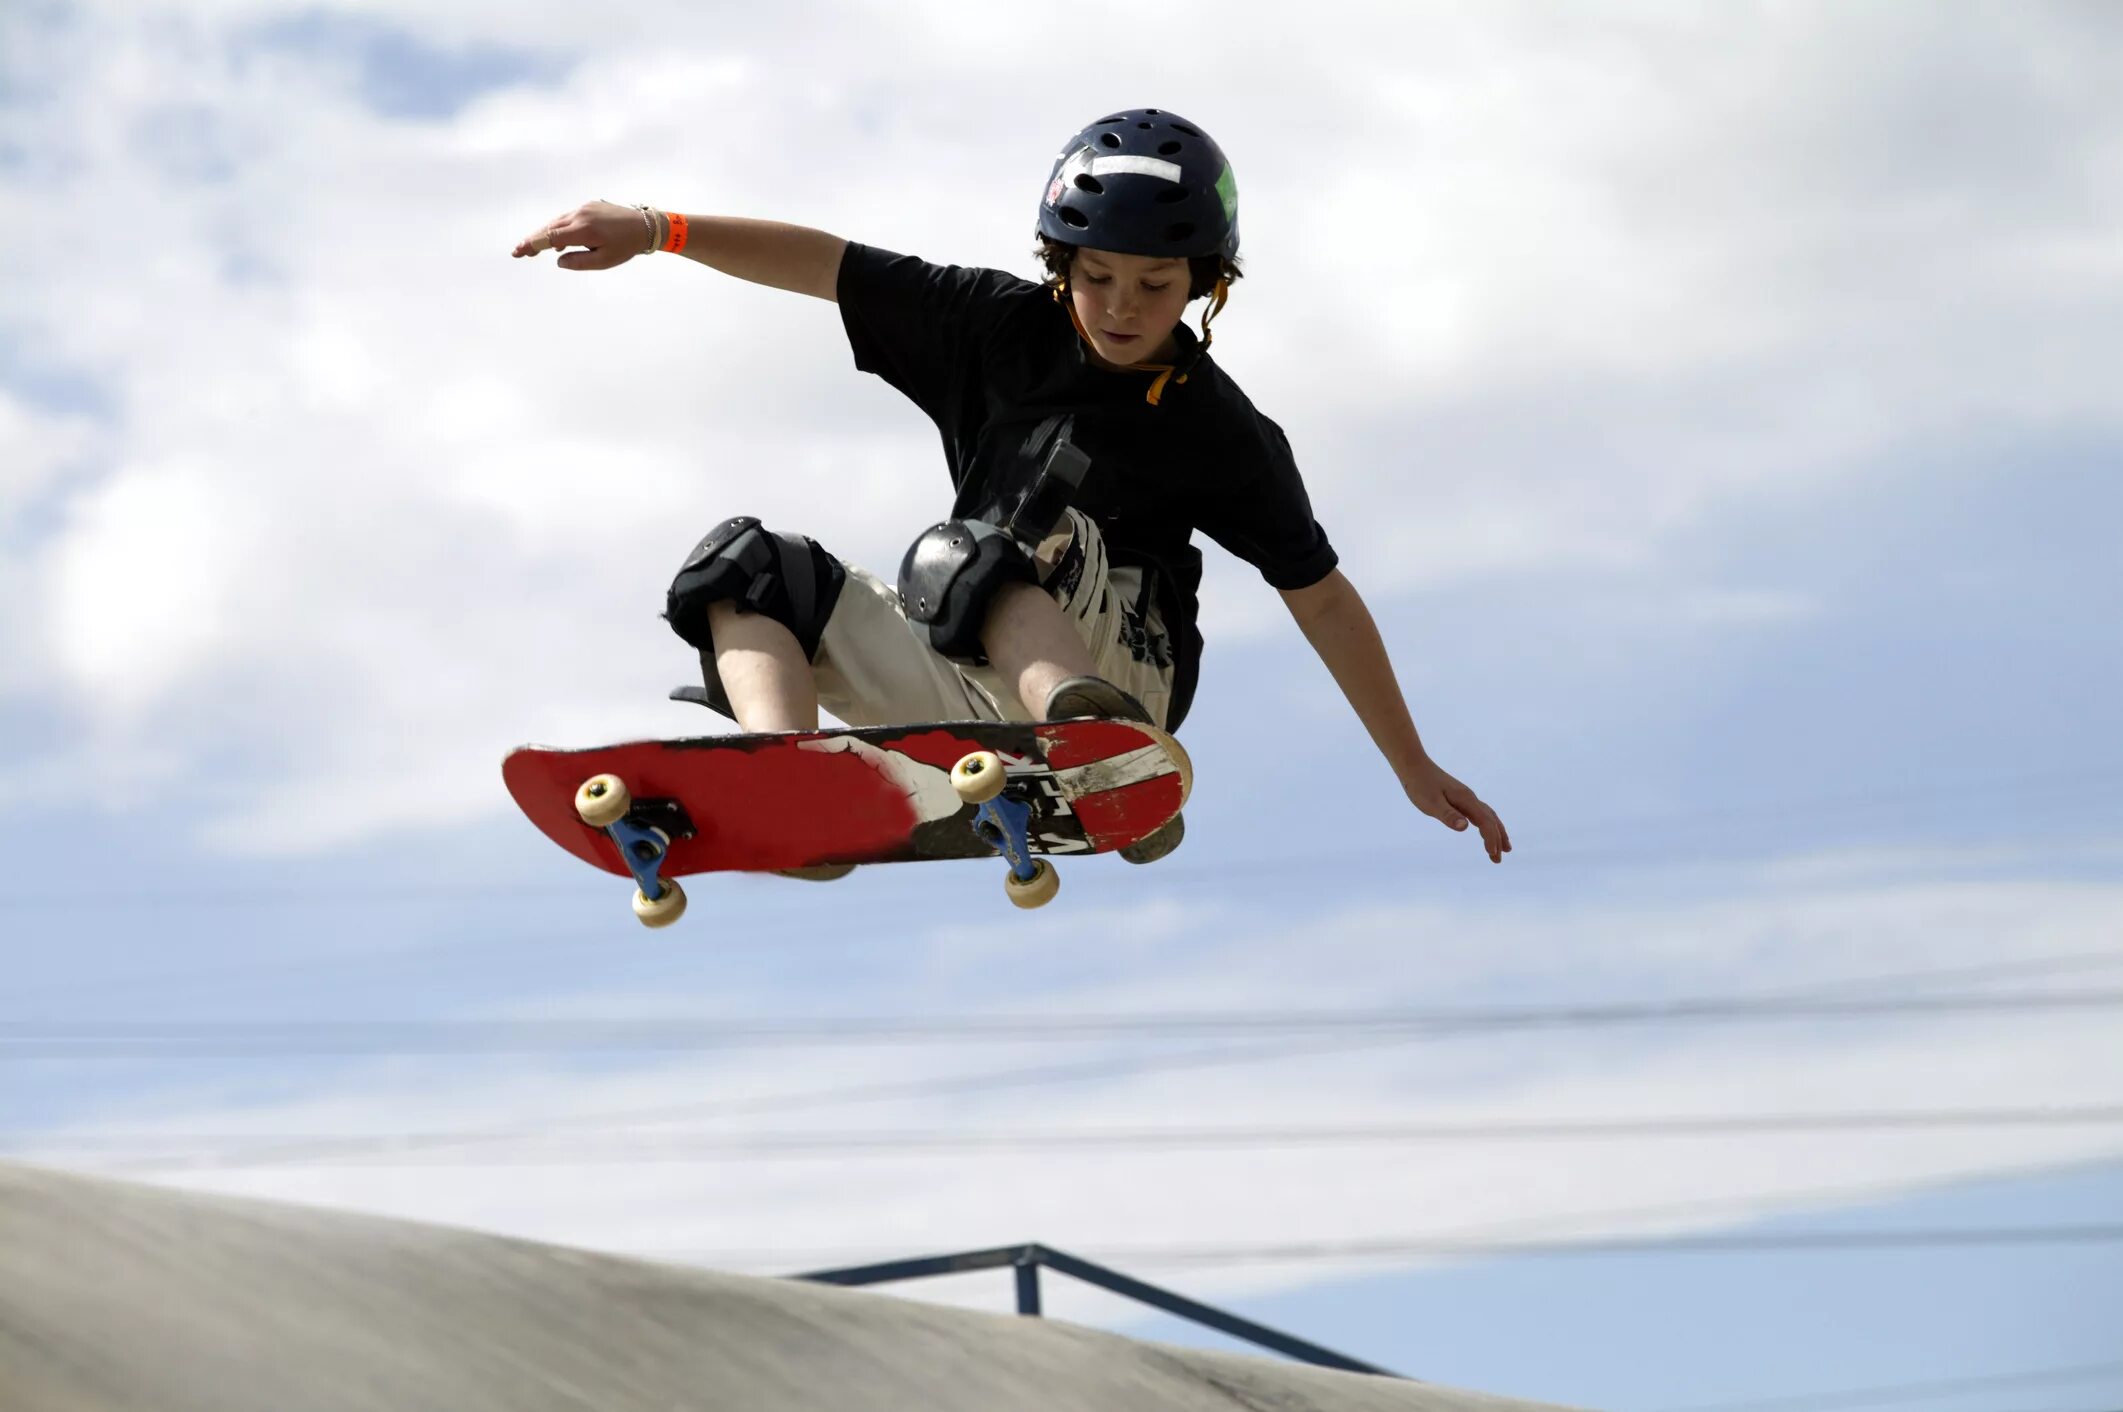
1143	182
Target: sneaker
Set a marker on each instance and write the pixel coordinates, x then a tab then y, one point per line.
822	872
1095	696
1157	845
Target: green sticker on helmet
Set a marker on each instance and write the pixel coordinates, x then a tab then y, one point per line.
1227	188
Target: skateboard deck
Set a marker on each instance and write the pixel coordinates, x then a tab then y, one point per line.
659	809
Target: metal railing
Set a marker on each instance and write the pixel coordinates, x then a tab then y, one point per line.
1028	1260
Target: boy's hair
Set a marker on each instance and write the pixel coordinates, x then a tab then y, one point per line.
1203	271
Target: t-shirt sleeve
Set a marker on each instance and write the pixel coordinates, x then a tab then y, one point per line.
1267	519
920	327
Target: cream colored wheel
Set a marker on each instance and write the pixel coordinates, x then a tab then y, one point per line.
978	777
603	800
1038	892
661	911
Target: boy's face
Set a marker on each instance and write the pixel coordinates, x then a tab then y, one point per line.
1129	305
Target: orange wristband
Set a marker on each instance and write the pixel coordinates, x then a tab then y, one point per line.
677	242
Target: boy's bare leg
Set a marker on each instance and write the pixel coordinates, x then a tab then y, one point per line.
1031	644
764	670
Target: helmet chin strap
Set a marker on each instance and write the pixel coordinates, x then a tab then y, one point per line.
1166	372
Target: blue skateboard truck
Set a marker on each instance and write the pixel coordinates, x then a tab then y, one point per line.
1005	825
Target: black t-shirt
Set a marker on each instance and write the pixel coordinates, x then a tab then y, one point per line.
990	356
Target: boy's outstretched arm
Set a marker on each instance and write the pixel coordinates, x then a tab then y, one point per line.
605	234
1339	627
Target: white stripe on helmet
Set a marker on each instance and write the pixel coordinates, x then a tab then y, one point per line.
1084	161
1134	166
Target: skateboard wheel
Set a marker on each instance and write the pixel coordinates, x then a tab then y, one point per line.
660	911
978	777
603	800
1038	892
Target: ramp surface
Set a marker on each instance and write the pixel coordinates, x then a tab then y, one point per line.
116	1297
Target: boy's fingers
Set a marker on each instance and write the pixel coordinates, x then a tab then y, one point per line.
559	231
1495	841
1493	835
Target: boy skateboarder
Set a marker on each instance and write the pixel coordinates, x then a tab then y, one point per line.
1089	435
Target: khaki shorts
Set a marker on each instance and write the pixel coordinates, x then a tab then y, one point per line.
875	668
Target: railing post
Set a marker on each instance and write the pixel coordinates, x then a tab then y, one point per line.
1028	1282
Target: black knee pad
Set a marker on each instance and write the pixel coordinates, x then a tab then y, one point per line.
949	577
785	577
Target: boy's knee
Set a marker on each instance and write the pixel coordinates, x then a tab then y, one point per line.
781	576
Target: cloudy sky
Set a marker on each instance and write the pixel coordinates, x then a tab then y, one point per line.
1716	404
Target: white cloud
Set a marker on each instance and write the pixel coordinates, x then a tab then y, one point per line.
38	450
35	448
147	579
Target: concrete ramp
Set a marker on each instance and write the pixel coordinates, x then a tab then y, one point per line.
118	1297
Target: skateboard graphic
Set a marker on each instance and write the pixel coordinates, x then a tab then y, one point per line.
654	810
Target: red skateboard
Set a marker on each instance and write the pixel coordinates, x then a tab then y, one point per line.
657	809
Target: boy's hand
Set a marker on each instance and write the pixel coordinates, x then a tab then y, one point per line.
609	234
1455	806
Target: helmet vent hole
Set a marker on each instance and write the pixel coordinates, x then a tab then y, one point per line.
1166	149
1086	182
1145	125
1116	118
1109	139
1182	127
1184	230
1151	111
1173	195
1075	218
